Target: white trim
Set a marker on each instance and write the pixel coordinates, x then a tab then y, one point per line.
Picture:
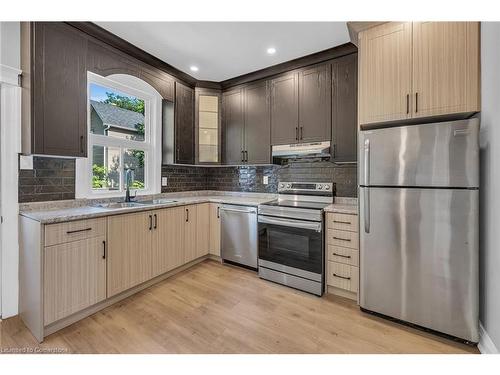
486	344
10	138
9	75
151	146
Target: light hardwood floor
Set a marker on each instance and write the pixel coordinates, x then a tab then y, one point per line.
214	308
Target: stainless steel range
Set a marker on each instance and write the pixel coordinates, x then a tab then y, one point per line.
290	230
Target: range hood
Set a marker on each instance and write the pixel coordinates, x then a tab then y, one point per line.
300	151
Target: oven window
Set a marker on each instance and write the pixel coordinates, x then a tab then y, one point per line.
293	247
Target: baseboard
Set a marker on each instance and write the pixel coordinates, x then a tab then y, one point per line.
486	344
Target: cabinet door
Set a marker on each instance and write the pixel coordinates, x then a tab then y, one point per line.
168	239
385	73
344	108
233	126
190	235
184	124
214	229
74	277
315	104
285	109
257	124
59	96
202	229
129	251
445	68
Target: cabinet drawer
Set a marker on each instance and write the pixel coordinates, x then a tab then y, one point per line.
342	222
342	238
343	255
74	231
343	276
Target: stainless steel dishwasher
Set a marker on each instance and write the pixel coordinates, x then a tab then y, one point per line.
239	234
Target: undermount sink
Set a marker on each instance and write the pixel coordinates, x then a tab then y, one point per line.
157	201
118	205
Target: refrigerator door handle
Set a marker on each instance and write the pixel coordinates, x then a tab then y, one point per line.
366	208
367	162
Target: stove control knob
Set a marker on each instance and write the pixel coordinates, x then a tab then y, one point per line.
327	187
320	187
282	186
288	186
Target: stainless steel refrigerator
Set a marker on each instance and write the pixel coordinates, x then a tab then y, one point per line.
419	202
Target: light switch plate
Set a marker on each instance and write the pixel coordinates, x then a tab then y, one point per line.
26	162
265	180
164	181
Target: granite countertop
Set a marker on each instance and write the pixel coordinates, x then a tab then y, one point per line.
56	212
344	206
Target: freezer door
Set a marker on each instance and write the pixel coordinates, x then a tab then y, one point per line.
442	154
419	257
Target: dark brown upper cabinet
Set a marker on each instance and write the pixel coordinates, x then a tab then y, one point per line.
257	145
284	99
54	117
184	124
344	108
247	131
314	103
233	126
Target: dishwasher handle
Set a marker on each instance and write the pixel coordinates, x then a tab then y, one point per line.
242	209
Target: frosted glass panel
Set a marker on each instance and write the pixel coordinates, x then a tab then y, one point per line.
208	120
209	103
208	137
208	154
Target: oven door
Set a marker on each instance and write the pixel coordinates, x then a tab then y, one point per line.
292	243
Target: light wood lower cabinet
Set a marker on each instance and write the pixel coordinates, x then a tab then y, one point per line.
202	229
75	277
214	229
342	247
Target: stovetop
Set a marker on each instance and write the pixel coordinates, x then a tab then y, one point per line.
313	205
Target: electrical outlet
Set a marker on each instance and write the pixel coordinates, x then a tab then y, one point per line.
164	181
265	180
26	162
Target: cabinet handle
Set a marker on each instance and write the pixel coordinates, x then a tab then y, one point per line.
150	222
156	221
341	222
342	277
81	145
246	156
78	230
342	256
416	102
407	103
177	155
296	133
103	249
301	132
218	212
242	156
187	215
342	239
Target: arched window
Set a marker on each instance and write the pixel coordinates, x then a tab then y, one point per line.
124	133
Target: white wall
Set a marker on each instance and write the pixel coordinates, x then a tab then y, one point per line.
10	127
490	182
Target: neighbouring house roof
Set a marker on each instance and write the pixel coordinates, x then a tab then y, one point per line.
117	117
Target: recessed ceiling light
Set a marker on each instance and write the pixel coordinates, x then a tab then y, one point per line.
194	68
271	51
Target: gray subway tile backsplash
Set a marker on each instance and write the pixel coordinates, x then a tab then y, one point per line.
54	178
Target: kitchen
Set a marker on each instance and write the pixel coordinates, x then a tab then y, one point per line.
321	196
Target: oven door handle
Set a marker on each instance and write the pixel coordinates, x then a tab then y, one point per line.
290	223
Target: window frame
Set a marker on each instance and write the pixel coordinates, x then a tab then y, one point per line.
129	85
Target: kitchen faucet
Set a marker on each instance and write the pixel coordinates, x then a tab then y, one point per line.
129	176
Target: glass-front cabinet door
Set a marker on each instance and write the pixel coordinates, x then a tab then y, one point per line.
208	104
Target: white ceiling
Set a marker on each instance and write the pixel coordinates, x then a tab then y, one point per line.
223	50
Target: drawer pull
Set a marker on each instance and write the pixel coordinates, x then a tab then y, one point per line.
342	277
342	222
343	256
78	230
342	239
